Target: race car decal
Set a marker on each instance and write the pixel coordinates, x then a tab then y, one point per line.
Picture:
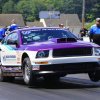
7	47
9	57
18	62
18	57
19	54
11	69
36	67
13	74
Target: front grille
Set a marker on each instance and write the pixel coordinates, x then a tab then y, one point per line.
67	52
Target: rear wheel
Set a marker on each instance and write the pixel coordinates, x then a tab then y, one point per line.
94	76
28	76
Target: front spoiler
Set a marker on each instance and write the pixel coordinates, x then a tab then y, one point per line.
60	69
65	72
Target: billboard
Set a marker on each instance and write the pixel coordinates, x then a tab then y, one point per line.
49	14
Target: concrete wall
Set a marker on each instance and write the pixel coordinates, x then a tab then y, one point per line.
2	26
75	30
44	24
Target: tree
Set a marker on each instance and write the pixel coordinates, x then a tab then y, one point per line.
92	9
8	7
87	26
36	7
0	6
24	8
30	8
2	2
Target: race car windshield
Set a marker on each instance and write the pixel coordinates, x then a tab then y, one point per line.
44	35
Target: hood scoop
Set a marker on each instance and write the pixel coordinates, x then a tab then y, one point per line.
63	40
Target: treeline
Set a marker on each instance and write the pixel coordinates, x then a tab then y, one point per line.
30	8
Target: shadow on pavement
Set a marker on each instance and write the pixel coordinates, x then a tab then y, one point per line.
66	83
63	83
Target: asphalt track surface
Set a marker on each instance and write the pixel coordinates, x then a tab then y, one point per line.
71	87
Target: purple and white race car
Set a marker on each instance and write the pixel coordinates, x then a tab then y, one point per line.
48	52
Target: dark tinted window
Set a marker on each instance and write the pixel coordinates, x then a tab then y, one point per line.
3	41
12	37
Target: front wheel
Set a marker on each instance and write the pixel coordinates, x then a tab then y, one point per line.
28	76
94	76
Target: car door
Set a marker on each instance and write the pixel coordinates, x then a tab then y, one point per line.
8	52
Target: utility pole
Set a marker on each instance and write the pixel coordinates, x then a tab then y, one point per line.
51	12
83	13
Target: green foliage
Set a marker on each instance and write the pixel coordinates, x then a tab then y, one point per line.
92	9
36	7
36	21
8	7
24	8
90	17
30	8
87	26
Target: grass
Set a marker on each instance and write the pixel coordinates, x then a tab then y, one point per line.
87	26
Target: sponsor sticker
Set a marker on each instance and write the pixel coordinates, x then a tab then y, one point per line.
18	62
36	67
9	58
26	32
18	59
19	67
18	54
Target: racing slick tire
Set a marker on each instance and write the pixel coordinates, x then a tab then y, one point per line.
52	78
28	76
94	76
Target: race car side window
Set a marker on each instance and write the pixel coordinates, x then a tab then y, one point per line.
3	40
12	38
8	38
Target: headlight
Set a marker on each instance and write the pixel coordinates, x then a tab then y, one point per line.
97	51
42	54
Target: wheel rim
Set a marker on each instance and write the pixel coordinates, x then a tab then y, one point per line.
27	73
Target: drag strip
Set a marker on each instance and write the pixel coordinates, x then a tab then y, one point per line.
68	88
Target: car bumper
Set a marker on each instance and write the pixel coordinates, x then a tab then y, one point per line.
68	68
64	60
